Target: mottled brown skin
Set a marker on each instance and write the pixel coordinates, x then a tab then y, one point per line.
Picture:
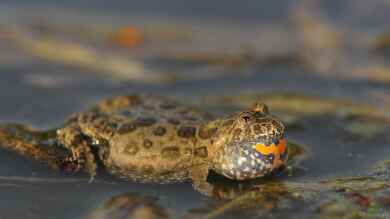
153	139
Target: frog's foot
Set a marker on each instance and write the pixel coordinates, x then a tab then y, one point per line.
225	191
199	180
203	187
81	156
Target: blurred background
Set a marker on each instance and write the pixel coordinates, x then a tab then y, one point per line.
322	47
322	66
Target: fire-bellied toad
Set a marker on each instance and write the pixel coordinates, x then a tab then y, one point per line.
154	139
148	138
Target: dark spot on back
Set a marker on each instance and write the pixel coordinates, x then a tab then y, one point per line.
126	128
145	121
103	125
206	133
262	120
171	153
187	151
186	132
159	131
147	143
88	117
101	121
257	129
201	152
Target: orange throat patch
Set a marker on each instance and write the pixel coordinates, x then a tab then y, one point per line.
274	149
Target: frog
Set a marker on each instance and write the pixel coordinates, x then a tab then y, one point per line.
153	139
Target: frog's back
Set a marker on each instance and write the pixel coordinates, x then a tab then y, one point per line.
147	138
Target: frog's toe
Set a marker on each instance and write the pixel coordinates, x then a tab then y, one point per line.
90	163
82	157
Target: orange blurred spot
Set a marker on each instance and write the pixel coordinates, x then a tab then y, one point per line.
128	37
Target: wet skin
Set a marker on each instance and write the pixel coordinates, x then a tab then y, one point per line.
153	139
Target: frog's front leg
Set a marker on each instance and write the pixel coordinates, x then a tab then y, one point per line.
72	138
198	175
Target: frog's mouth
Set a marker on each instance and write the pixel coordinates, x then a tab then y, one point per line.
277	150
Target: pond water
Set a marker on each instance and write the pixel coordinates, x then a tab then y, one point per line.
41	91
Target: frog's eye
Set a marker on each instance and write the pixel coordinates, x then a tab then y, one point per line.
245	118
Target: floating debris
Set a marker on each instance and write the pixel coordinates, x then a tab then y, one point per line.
79	55
365	128
382	170
375	73
128	37
382	42
330	196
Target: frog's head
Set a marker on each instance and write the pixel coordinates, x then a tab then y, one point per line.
255	145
